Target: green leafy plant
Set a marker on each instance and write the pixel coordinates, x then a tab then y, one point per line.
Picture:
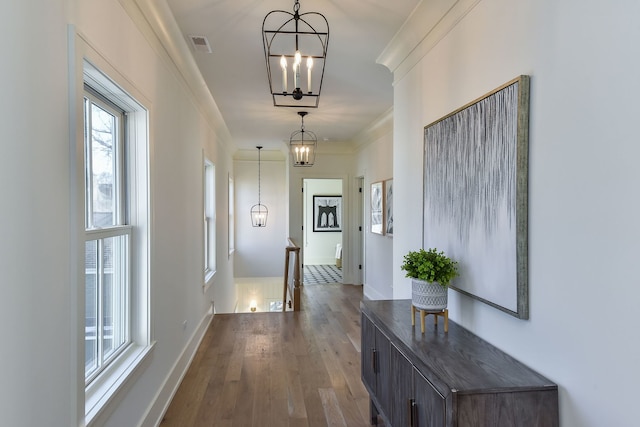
430	266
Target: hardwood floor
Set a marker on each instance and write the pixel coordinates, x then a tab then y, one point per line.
279	369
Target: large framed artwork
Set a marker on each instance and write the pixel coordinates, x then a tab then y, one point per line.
327	213
388	207
475	195
377	208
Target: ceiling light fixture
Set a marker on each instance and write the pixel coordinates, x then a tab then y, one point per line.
259	212
294	38
302	145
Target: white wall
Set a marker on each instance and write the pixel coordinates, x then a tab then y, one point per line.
584	234
375	163
260	250
37	349
41	312
320	246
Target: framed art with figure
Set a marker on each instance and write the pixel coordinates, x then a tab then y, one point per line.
377	208
388	207
327	213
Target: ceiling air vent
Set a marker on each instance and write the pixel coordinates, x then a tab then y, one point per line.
200	44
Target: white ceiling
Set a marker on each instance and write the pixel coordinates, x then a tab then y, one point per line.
356	90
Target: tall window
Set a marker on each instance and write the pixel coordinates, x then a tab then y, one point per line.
107	237
209	220
116	323
232	220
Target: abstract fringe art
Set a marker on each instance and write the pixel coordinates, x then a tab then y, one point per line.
475	195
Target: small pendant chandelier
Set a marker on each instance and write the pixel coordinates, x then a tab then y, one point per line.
302	145
293	39
259	212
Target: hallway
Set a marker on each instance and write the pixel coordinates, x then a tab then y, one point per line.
321	274
272	369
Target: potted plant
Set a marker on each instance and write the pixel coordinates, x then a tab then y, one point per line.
431	272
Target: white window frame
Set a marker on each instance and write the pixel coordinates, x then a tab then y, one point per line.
107	386
232	216
209	223
118	229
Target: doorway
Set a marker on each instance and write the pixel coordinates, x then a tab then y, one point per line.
323	222
360	235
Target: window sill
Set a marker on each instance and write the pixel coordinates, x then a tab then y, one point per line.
208	280
114	380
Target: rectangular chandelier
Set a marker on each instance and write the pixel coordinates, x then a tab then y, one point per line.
295	51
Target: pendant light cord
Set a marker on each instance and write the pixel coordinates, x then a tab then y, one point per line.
259	148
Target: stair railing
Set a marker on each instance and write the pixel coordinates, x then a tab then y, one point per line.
291	276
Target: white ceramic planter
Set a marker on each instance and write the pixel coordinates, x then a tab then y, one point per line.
428	296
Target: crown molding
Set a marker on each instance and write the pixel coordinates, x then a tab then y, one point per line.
429	23
381	126
265	155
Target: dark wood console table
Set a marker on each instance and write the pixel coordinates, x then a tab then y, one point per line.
453	379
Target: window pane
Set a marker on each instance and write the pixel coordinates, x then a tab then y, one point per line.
91	308
232	238
206	244
114	292
103	135
209	219
106	301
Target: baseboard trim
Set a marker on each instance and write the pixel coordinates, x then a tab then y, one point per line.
165	395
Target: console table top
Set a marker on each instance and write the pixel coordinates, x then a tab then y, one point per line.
456	361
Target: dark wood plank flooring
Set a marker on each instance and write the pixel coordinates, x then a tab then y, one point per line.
279	369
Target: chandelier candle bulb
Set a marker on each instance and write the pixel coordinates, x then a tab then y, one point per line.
309	67
296	67
283	64
295	75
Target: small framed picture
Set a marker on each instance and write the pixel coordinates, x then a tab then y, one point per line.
388	207
327	213
377	208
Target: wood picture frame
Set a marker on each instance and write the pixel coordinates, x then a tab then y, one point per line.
377	207
388	207
475	195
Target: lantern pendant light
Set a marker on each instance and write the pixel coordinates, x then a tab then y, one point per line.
302	145
295	51
259	211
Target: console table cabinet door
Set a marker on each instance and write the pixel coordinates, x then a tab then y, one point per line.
414	401
375	348
367	354
402	386
383	389
430	405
